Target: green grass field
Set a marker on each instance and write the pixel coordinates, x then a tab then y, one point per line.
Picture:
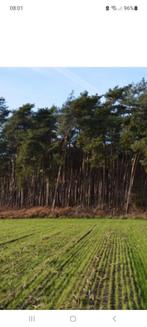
73	264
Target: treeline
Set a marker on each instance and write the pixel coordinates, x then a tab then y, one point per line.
90	152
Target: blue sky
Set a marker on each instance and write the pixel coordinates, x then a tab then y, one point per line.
47	86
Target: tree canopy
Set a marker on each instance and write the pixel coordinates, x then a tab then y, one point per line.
90	152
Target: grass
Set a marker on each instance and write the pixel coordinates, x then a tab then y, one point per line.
73	264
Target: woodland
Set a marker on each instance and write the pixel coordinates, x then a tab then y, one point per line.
91	152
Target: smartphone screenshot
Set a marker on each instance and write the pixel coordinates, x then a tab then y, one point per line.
73	163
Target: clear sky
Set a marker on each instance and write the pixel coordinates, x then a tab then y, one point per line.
47	86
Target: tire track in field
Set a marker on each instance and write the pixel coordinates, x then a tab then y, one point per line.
25	236
15	240
87	292
5	268
54	285
44	277
72	299
81	296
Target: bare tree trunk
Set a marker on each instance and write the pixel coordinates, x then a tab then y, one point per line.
47	192
133	169
56	187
